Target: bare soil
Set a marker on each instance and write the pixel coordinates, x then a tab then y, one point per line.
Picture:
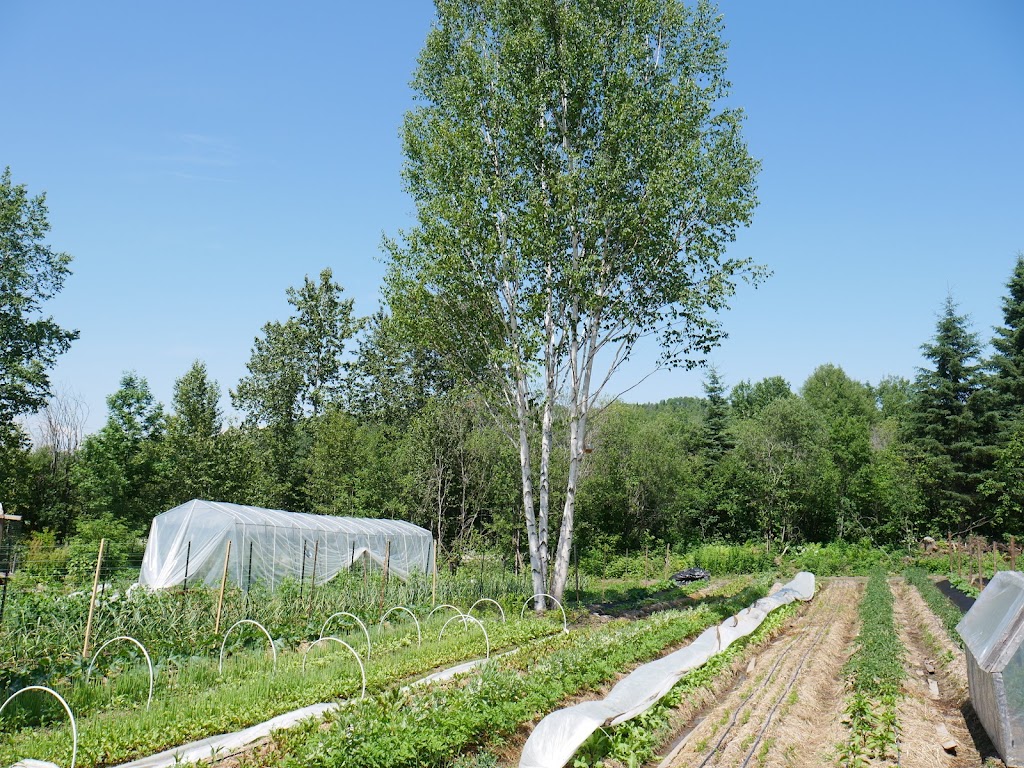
788	710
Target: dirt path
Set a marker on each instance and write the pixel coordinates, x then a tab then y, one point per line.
788	712
935	691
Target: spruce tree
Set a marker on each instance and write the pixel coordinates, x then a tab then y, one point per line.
1006	365
714	436
942	425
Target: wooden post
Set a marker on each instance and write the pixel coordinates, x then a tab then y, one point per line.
433	588
576	557
312	576
981	564
92	600
480	591
1013	554
384	577
668	560
995	559
302	570
949	553
248	581
223	583
188	558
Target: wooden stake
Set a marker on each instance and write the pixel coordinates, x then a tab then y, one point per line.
995	559
188	558
1013	554
302	570
92	600
384	577
483	558
433	588
223	583
668	560
312	576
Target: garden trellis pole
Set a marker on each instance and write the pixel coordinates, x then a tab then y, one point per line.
188	558
223	583
92	600
384	577
302	569
312	576
433	586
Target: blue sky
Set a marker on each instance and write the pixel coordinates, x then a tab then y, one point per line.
199	158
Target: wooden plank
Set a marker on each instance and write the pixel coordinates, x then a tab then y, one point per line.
946	739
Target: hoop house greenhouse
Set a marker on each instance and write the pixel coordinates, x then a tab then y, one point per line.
191	542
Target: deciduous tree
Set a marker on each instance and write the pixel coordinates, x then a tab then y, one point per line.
31	272
577	176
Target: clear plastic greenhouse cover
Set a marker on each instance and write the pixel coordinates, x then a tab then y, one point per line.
994	620
993	633
268	545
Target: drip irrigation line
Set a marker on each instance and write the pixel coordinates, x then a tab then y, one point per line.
736	714
792	680
782	657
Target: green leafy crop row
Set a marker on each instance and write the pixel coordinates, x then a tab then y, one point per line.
435	726
194	700
874	673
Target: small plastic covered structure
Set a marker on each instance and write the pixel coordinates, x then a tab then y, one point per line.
191	542
993	633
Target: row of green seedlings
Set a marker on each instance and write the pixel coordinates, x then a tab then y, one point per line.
205	696
636	741
940	605
874	675
441	724
43	628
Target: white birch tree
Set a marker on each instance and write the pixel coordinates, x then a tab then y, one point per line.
577	173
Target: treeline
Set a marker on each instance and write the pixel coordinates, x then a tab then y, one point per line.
342	415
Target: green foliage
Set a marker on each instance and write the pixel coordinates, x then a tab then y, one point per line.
192	464
1007	361
781	480
297	369
747	400
944	429
117	472
841	558
31	273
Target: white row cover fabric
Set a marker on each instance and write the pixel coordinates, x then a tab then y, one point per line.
993	633
557	737
268	545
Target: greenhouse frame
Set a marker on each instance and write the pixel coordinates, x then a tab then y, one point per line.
993	635
190	544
